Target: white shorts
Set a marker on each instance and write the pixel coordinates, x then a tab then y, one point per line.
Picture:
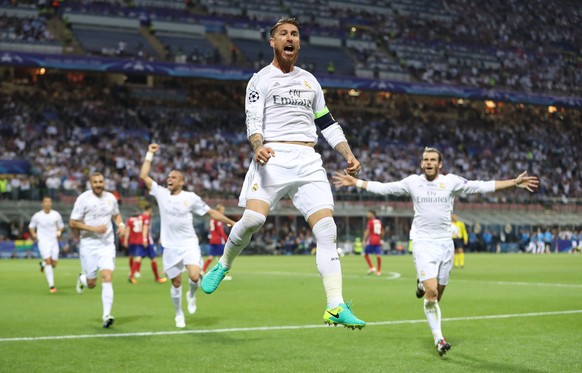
176	260
95	260
296	171
433	259
48	249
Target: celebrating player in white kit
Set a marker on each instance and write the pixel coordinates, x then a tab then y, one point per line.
46	227
433	195
92	214
180	242
284	107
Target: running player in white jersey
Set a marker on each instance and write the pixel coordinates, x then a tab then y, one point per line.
46	227
180	242
92	214
433	195
284	108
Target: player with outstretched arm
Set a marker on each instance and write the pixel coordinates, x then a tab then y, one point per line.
433	195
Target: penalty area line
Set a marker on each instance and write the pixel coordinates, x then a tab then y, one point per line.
272	328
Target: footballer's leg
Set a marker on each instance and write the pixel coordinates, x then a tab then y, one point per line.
379	264
371	268
176	294
462	257
175	274
107	296
154	265
239	237
433	313
328	264
433	273
194	283
49	274
207	263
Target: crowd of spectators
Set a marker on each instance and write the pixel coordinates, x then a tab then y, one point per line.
31	29
532	46
67	130
536	44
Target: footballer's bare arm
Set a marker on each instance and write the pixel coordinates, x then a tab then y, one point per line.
147	165
262	152
353	164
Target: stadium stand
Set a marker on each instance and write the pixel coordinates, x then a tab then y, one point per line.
450	42
63	125
110	42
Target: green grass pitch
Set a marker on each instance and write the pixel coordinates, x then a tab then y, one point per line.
501	313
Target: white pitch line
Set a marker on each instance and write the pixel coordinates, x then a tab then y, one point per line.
271	328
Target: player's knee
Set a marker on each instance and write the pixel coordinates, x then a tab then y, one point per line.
177	282
252	221
431	293
325	230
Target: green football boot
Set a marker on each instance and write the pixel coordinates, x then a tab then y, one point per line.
212	279
342	314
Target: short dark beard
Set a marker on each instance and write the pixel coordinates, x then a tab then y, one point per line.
285	64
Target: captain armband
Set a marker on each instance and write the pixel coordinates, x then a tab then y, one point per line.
332	131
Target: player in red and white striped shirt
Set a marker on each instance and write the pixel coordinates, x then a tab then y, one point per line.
216	238
139	243
373	236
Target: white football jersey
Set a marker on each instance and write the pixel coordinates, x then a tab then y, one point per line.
46	225
432	200
282	106
92	210
177	221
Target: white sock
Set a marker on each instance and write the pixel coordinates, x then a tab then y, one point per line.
240	236
433	316
327	259
193	286
176	294
48	272
333	289
107	297
83	279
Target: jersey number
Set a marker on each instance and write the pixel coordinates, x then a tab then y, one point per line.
137	226
377	229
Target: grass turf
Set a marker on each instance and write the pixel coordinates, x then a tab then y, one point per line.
502	313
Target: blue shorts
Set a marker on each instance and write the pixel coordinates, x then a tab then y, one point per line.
216	250
374	249
149	252
132	249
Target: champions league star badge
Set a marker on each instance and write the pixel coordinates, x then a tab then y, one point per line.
253	96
